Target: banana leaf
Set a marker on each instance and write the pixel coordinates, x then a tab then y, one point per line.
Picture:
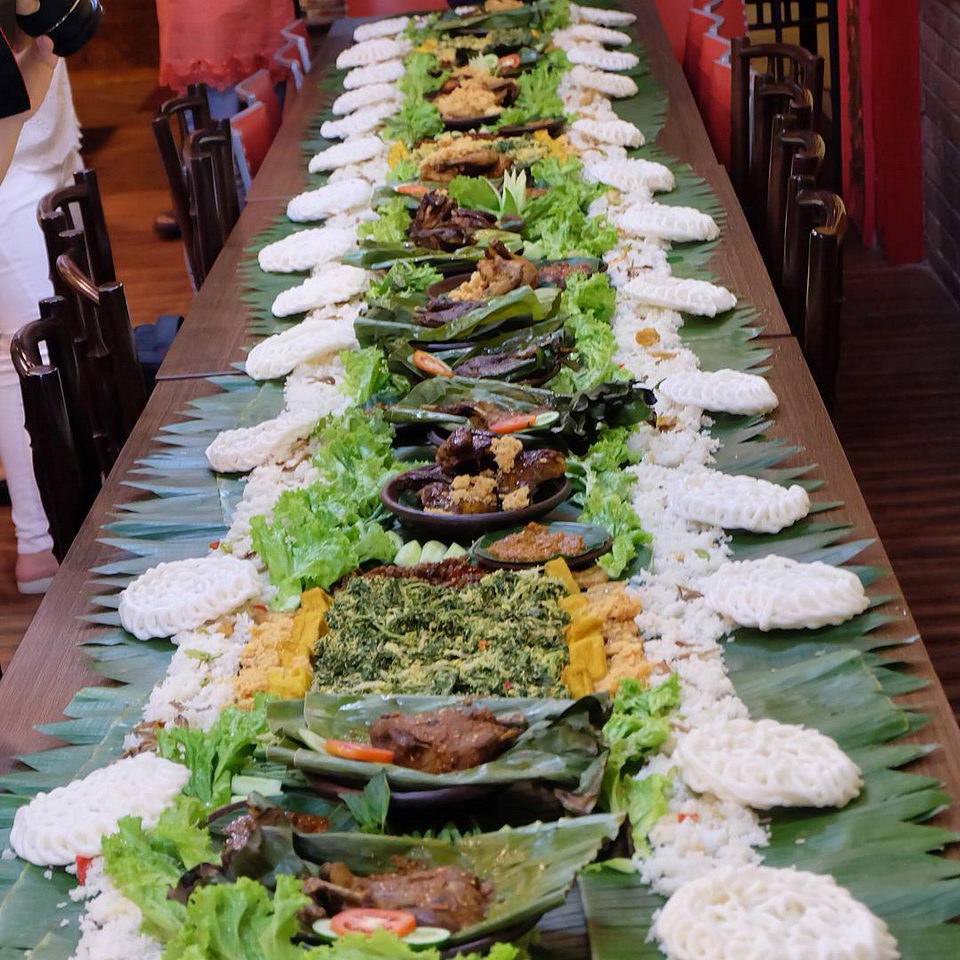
382	256
561	743
531	868
520	307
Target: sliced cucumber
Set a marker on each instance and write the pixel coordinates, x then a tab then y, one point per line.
426	936
408	555
546	418
433	551
312	740
421	937
454	550
324	928
263	785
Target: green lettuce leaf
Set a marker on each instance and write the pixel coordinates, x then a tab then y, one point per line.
385	946
367	378
320	533
638	726
538	95
607	504
145	864
417	119
215	755
393	221
241	921
405	278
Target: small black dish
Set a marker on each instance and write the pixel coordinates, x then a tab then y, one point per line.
400	499
597	540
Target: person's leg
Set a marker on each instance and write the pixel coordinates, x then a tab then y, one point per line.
23	282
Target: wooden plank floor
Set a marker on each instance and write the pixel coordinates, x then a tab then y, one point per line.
898	411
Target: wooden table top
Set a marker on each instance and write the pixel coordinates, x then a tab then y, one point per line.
215	329
49	667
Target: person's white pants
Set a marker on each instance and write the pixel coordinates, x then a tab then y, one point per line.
24	281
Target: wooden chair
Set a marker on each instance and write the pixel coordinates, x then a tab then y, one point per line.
109	376
777	62
56	213
774	102
174	122
65	465
824	287
793	152
212	190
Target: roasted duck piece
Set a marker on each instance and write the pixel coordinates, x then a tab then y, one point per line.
466	450
448	897
530	469
441	224
499	272
444	740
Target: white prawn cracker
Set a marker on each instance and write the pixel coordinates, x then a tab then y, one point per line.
684	295
330	199
737	502
55	828
610	84
777	593
336	283
354	151
374	50
726	391
601	15
360	122
278	355
184	594
633	175
765	764
388	72
593	55
381	28
594	33
752	912
619	133
243	448
306	249
663	220
365	97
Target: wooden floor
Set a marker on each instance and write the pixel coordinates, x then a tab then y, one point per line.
898	410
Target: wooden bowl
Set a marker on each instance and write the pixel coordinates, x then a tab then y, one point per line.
471	525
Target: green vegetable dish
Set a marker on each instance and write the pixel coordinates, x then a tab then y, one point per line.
503	635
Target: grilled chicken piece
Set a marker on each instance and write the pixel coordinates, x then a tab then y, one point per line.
443	740
530	469
440	224
448	897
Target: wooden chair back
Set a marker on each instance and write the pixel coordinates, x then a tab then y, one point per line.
212	189
777	62
792	152
110	381
772	99
63	455
174	122
824	288
79	207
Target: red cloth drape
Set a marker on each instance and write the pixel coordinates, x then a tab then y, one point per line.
218	41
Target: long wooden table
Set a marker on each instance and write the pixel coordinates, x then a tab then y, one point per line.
49	668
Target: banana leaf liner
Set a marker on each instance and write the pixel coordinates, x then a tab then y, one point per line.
531	868
562	745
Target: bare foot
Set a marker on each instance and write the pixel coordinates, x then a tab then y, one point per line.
35	571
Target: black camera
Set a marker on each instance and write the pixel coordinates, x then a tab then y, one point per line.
68	23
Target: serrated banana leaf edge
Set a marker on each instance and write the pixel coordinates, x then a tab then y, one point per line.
878	846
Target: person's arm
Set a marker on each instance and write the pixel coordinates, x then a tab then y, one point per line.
36	62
